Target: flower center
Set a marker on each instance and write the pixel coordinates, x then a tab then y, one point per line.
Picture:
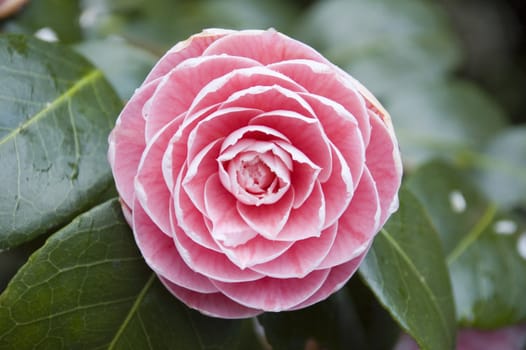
255	176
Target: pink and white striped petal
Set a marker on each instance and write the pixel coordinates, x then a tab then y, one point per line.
338	189
306	221
127	142
192	47
219	90
263	46
311	141
228	227
300	259
180	86
337	278
273	294
214	304
217	126
331	82
342	130
152	192
160	254
384	163
357	225
267	220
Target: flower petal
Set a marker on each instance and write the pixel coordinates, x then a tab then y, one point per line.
127	142
214	304
357	225
263	46
385	165
300	259
192	47
160	254
272	294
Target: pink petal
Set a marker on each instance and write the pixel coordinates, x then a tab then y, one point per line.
219	90
126	142
338	189
342	131
300	259
186	217
331	82
338	277
385	165
228	227
216	126
209	262
180	86
305	134
263	46
306	221
192	47
357	226
176	151
269	98
199	171
160	254
152	192
267	220
272	294
215	304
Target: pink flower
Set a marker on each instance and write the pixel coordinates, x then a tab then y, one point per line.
254	172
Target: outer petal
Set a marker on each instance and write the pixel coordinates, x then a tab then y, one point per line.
357	226
300	259
215	304
272	294
192	47
153	193
126	142
263	46
331	82
179	87
161	255
338	276
383	161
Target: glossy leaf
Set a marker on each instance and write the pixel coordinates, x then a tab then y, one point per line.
109	55
89	288
406	270
56	111
501	168
486	268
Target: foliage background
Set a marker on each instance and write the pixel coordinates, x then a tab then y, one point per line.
451	73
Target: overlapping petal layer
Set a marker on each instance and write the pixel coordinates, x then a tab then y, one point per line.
255	173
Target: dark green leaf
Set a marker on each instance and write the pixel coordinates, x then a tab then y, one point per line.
406	270
56	111
486	268
332	324
109	56
501	169
60	16
88	288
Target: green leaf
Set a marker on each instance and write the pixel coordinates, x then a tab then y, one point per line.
109	56
332	324
88	288
406	270
501	168
486	268
60	16
56	111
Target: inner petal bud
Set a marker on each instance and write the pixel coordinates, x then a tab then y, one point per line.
254	172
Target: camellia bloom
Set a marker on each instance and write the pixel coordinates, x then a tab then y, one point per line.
254	172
